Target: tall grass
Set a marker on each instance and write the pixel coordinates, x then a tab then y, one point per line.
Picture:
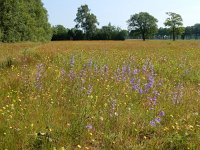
100	95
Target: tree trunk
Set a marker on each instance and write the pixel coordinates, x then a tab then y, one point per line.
173	30
143	37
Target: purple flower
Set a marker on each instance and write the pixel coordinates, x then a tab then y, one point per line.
141	91
153	123
136	71
162	113
89	126
113	104
124	68
135	85
144	68
72	75
113	108
157	120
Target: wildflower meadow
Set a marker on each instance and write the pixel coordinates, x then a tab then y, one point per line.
100	95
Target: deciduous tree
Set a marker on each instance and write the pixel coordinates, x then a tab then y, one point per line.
174	21
143	24
86	20
24	20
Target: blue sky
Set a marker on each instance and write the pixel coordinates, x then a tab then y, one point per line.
118	11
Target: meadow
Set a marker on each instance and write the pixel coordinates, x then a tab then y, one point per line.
97	95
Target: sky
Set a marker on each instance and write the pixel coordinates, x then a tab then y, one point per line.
63	12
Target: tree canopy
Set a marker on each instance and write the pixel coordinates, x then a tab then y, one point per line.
174	21
86	20
143	24
23	20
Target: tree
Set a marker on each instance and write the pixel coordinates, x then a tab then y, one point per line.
75	34
86	20
180	32
110	32
24	20
107	32
174	21
59	33
0	35
189	32
196	30
144	24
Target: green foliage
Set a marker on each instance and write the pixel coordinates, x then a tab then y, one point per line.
193	32
111	32
174	21
105	33
62	33
59	33
196	29
86	20
144	24
163	33
24	20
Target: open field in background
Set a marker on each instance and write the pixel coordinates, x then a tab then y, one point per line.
100	95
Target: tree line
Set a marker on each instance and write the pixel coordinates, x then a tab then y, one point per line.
26	20
108	32
140	26
189	32
23	20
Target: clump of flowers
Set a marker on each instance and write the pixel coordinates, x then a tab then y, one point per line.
157	120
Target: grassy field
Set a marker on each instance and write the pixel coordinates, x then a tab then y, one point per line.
100	95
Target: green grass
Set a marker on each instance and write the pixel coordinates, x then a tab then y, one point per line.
84	95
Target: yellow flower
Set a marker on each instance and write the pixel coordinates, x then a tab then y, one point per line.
62	148
101	118
190	126
166	129
79	146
